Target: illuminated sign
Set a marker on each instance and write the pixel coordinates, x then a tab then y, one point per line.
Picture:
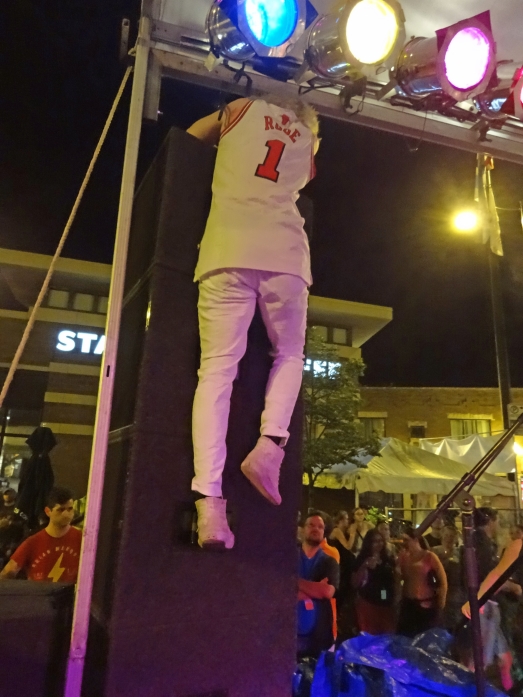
85	341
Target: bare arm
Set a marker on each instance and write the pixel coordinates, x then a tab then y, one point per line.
337	534
360	577
10	570
210	127
510	555
352	536
207	129
397	584
319	590
441	576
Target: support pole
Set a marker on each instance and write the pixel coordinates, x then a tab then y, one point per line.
467	518
81	617
3	429
500	335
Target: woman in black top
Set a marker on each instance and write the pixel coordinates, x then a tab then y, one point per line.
338	538
377	584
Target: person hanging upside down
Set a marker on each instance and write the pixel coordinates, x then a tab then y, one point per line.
254	252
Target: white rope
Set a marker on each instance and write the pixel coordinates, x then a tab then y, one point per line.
45	286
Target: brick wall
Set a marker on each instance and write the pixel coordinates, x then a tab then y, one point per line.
432	405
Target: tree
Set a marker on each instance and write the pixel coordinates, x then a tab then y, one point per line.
331	395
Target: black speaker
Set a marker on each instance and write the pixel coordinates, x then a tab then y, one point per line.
35	628
168	619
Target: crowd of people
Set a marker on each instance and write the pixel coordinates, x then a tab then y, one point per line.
353	578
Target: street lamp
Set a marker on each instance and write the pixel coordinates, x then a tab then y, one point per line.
466	221
469	222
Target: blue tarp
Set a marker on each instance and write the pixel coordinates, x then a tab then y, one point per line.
394	666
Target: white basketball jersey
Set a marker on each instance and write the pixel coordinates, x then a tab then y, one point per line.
265	157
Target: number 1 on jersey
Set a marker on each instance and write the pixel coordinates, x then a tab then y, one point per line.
269	168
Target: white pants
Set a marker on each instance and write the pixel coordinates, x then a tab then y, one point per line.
226	307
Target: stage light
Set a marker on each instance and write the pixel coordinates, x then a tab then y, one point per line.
467	58
459	61
466	221
514	104
518	449
242	29
225	37
372	31
272	22
357	33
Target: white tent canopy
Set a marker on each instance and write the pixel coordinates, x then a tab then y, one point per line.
406	469
469	451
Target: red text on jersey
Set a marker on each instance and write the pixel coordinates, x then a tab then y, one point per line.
271	125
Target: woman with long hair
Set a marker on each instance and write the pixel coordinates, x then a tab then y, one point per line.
424	587
338	538
376	581
358	528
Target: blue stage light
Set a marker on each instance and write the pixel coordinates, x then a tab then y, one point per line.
240	29
272	22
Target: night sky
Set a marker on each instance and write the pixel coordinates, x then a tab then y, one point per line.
383	203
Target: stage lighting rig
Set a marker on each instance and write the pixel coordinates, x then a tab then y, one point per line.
357	35
454	66
225	37
491	103
239	30
514	103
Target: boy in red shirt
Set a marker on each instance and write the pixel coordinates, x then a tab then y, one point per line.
53	554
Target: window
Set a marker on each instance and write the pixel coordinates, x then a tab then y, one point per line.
58	298
102	305
83	302
460	428
320	332
417	431
321	367
373	425
339	336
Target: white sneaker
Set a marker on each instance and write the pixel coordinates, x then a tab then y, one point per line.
214	532
262	468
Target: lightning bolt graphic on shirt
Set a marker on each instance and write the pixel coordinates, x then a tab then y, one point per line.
56	572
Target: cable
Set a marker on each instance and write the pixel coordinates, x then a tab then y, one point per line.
72	216
358	88
415	148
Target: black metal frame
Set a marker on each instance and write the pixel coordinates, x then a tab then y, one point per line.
466	502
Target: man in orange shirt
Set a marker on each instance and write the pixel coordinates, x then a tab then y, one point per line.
53	554
334	553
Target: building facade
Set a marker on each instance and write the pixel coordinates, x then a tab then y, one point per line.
56	384
411	413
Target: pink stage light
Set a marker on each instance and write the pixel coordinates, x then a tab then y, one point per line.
467	58
521	96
